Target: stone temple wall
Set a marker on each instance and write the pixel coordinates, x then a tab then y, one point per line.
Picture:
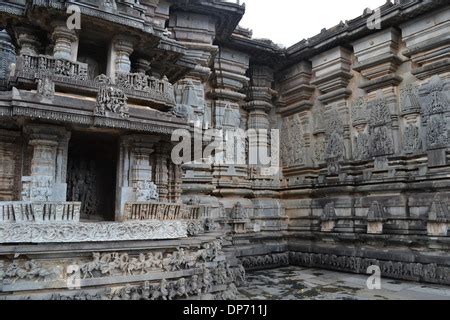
364	148
362	111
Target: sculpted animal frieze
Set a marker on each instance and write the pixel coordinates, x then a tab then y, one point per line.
28	270
110	264
271	260
399	270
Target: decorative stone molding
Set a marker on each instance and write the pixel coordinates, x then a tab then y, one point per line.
331	70
398	270
273	260
426	44
91	232
377	59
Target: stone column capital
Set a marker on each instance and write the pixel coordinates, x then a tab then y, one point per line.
63	39
28	42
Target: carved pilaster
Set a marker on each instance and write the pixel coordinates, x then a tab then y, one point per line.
162	158
259	105
434	114
7	58
47	180
332	73
135	181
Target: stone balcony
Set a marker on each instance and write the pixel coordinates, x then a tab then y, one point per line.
72	77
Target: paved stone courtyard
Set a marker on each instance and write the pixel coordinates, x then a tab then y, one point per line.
294	283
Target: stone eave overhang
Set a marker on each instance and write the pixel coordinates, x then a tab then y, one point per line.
118	18
260	51
264	52
80	111
169	53
228	14
345	33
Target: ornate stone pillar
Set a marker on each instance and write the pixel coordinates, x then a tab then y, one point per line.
48	165
28	42
175	175
142	66
65	42
259	105
134	172
123	48
8	57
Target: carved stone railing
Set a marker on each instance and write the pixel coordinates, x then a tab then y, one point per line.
73	76
143	83
41	66
160	211
39	212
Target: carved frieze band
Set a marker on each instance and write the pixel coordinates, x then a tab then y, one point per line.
266	261
393	269
88	120
91	232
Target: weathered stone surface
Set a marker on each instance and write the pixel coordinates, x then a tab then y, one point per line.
87	119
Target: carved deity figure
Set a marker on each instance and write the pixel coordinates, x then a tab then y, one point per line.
412	141
381	141
329	212
238	211
111	99
361	151
46	88
146	191
437	134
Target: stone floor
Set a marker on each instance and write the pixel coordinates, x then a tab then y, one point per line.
295	283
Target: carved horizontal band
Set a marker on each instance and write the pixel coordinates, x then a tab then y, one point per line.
92	232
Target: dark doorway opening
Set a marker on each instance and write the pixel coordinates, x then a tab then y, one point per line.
91	174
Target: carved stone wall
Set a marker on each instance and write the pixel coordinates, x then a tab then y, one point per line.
363	116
